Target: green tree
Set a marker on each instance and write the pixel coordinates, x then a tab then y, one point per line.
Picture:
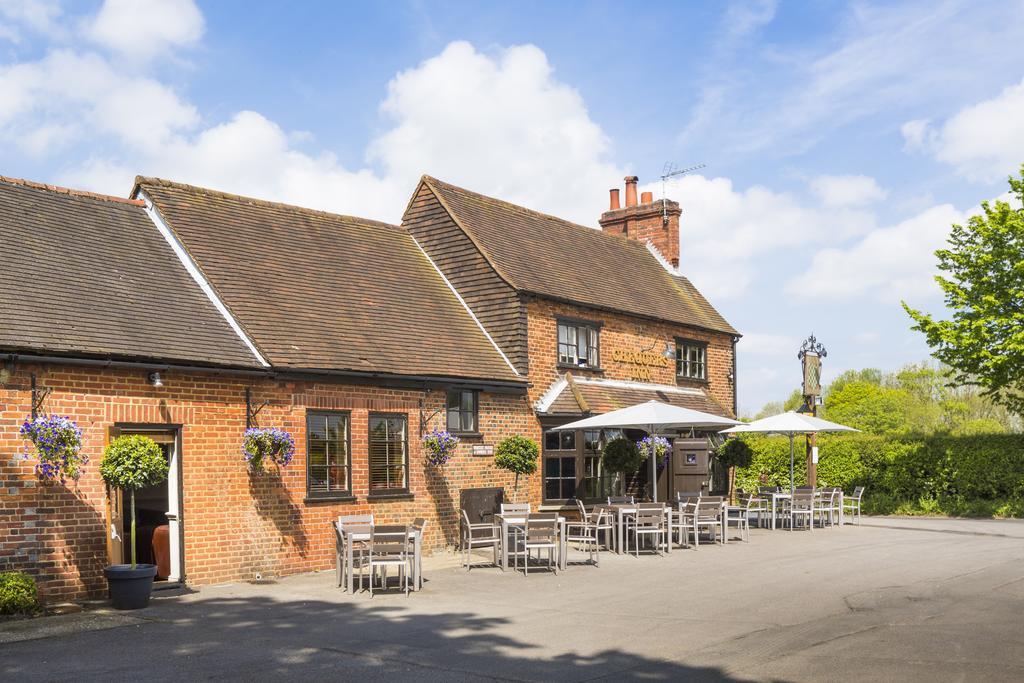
519	455
869	407
983	285
130	463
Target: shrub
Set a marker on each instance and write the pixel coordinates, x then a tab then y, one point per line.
18	594
940	474
621	456
517	454
130	463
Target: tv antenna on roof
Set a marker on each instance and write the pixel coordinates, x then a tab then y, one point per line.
668	172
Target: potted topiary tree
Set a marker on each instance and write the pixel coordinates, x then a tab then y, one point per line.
621	456
519	455
734	453
130	463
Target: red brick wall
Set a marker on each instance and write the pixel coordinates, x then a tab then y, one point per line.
235	525
624	333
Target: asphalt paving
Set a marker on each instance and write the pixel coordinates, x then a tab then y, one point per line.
900	599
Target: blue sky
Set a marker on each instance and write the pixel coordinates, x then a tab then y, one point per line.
841	139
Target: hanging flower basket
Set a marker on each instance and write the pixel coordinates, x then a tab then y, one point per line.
58	443
261	446
656	447
439	446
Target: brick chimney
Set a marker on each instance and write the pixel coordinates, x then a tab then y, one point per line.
646	221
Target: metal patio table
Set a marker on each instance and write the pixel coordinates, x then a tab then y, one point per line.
356	536
510	520
624	510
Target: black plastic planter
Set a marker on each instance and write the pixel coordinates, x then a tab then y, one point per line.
130	588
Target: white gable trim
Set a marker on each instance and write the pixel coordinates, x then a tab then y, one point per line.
193	270
543	404
661	258
623	384
466	306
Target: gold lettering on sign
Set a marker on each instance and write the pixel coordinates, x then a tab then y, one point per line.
645	359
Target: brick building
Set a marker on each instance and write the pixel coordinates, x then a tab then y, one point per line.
187	314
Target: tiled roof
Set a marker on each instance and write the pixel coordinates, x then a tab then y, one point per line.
553	258
579	396
320	291
90	275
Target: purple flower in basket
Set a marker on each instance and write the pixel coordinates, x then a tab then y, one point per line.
439	446
58	443
267	445
656	447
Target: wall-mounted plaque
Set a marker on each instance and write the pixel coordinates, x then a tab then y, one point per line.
482	449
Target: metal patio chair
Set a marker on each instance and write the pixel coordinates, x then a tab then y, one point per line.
739	516
709	515
852	503
479	535
606	526
621	500
389	547
344	527
649	521
539	533
586	534
802	507
515	508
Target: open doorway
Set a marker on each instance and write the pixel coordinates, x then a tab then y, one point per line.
158	533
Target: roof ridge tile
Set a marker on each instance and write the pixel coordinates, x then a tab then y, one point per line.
71	192
141	181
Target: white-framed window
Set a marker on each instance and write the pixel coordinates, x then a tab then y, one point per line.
578	344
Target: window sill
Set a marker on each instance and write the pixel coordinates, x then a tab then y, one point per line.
340	498
468	435
396	495
585	368
691	380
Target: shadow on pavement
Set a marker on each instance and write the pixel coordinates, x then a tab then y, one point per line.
262	638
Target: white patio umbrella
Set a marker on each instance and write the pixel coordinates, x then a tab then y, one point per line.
789	424
655	418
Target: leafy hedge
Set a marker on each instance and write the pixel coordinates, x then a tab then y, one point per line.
960	475
18	594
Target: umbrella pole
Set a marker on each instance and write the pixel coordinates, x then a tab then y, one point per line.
792	487
654	472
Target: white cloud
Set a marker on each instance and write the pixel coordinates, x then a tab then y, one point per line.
768	344
892	263
67	94
984	142
883	57
142	29
502	125
38	16
847	190
728	233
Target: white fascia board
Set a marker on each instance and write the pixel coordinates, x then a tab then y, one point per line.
465	305
543	403
661	258
197	275
624	384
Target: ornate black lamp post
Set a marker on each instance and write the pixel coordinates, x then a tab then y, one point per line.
810	355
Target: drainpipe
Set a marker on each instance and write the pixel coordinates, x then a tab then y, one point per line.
735	381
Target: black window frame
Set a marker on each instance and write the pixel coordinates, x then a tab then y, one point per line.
579	453
448	411
578	324
329	494
387	491
683	344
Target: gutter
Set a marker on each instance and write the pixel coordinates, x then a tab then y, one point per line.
353	376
